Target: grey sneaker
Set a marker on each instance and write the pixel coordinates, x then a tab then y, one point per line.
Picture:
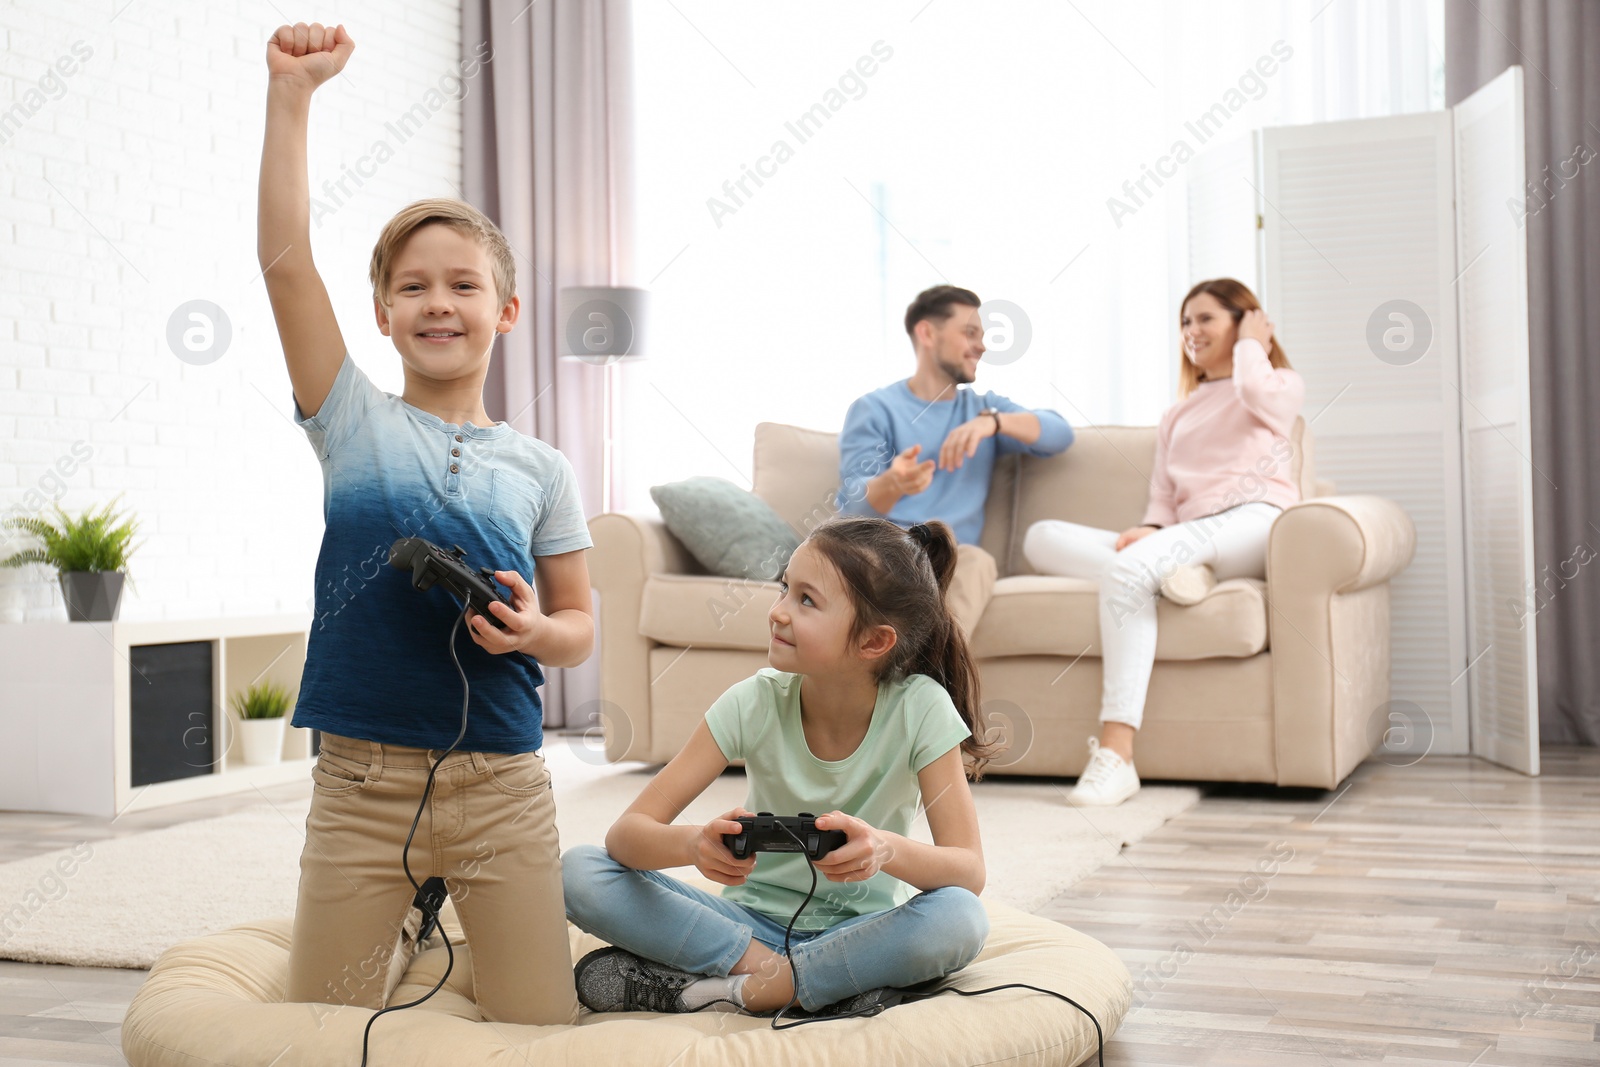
612	979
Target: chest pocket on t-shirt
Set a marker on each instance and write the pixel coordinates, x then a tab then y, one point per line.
515	502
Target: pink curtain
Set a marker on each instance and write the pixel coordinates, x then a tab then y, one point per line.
547	154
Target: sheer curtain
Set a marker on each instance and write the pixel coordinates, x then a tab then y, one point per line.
806	169
548	153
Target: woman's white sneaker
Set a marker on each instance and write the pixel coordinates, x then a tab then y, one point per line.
1189	584
1106	781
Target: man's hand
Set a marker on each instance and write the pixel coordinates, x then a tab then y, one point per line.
962	443
525	623
307	56
1132	534
857	859
906	476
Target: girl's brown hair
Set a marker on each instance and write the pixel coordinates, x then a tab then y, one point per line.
898	578
1237	298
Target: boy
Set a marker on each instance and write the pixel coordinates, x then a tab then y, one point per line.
384	670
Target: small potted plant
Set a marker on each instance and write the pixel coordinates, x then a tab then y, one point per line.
261	708
90	555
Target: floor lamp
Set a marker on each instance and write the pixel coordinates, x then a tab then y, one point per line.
602	326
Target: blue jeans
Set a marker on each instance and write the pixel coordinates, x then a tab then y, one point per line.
660	918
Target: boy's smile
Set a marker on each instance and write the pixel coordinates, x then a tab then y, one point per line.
443	312
443	317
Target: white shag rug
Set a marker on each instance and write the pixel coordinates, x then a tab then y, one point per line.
131	898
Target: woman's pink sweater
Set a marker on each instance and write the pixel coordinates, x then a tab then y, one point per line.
1227	443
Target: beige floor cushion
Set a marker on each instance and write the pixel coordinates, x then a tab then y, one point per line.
216	1000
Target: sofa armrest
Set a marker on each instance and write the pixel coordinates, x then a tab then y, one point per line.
639	545
1329	562
628	549
1348	542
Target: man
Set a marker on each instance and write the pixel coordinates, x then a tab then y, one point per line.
959	431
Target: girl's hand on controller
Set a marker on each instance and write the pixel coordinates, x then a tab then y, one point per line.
859	858
711	856
524	622
307	56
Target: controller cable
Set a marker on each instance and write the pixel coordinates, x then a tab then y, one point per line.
908	996
431	894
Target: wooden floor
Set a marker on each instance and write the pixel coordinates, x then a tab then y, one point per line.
1440	914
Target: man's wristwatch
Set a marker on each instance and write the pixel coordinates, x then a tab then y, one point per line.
995	412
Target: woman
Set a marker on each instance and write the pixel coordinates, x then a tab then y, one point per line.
1222	476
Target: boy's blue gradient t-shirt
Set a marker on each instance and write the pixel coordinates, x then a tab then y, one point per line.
378	663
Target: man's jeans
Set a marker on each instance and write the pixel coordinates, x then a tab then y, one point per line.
660	918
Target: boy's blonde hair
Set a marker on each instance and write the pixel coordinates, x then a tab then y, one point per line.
459	216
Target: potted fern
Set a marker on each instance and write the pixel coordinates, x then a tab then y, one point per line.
90	555
261	708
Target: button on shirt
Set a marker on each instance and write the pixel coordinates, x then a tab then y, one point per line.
378	662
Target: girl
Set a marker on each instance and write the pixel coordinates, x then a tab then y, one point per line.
871	702
1221	478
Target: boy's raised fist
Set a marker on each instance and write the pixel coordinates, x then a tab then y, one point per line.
309	55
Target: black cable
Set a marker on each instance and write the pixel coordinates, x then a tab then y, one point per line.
794	998
1099	1035
430	914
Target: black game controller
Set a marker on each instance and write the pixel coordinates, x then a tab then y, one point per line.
430	564
765	832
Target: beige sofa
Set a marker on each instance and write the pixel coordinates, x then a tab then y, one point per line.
1277	681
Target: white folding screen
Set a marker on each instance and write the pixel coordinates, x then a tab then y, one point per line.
1491	254
1358	261
1392	253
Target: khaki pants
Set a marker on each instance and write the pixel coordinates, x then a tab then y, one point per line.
971	587
489	830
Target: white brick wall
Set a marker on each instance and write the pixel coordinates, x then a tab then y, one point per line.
132	190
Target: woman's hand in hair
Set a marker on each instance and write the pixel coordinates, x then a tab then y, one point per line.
1129	536
710	855
858	859
1257	327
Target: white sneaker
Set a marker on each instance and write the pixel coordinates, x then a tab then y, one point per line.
1189	584
1107	780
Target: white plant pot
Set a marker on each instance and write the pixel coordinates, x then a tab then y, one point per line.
261	740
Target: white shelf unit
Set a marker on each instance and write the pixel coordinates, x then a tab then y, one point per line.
66	732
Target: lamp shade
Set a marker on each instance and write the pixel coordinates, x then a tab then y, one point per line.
601	325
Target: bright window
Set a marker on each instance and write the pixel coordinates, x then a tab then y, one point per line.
805	169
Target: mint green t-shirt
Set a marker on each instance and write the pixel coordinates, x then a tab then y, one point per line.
758	720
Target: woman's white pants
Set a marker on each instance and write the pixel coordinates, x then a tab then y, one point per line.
1232	542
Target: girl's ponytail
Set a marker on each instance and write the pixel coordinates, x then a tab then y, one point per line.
945	657
900	578
939	542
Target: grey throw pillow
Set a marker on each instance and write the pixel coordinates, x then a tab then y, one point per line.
732	532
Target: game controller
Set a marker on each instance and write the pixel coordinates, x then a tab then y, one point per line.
430	564
766	832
